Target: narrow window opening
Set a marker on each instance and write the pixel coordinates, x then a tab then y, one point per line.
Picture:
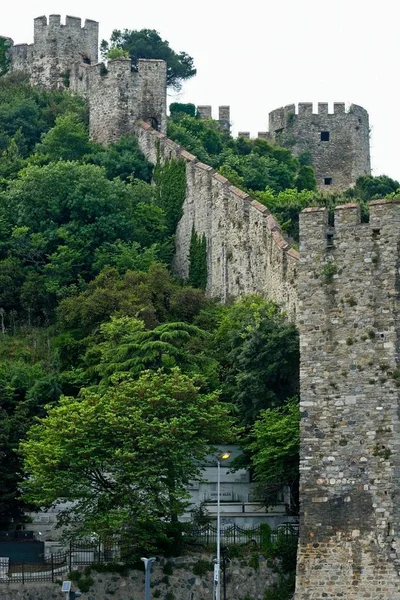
376	233
328	181
329	239
325	135
154	123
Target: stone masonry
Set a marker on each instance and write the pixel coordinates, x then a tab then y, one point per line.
338	142
350	431
118	96
55	49
246	253
66	57
243	581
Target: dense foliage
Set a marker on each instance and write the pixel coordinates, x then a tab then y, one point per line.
147	43
104	355
94	326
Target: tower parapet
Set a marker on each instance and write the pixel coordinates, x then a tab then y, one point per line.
55	49
348	319
338	142
66	56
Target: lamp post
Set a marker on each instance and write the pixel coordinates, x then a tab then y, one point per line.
217	570
147	568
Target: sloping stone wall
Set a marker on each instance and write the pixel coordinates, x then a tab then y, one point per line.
246	252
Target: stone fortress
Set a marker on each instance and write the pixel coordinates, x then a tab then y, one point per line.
343	292
337	144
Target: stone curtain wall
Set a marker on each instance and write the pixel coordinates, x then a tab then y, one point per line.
350	431
246	253
242	581
55	49
344	157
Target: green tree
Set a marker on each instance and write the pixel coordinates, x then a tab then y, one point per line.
67	140
371	188
63	213
4	58
147	43
125	457
258	352
126	348
274	449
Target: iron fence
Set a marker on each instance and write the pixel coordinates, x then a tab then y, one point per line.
234	534
87	552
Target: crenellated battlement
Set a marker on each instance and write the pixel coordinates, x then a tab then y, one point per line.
224	114
307	109
57	47
65	55
338	141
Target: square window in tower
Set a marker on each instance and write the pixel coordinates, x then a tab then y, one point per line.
328	181
325	136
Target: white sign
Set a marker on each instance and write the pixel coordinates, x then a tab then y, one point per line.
216	573
226	496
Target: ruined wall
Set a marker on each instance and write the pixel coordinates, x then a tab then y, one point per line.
55	49
246	253
338	142
350	431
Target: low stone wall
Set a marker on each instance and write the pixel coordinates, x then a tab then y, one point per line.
182	584
246	252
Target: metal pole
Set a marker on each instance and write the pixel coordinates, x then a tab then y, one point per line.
217	573
147	569
224	570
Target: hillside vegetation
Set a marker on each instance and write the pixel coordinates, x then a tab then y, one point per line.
115	378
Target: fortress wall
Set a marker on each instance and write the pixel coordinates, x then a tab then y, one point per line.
246	252
350	430
343	157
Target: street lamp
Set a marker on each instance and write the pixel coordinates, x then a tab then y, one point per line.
222	456
147	568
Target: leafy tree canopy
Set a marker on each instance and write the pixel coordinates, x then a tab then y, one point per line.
259	357
373	188
274	449
147	43
125	457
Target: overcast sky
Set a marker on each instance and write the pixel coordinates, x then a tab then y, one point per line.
257	56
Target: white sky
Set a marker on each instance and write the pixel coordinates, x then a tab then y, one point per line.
257	56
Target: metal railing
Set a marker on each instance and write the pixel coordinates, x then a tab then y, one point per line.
86	552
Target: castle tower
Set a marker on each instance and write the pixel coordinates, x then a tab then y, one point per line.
118	96
56	47
337	143
66	57
350	429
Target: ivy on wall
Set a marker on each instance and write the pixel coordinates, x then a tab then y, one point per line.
198	260
170	178
4	56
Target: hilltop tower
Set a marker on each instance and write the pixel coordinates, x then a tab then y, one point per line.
350	428
66	57
337	143
118	96
56	47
